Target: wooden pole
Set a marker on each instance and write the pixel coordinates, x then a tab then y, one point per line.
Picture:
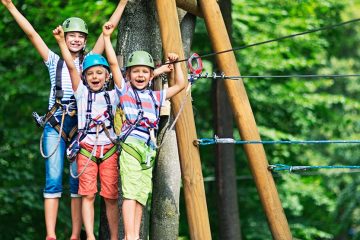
245	121
190	6
193	181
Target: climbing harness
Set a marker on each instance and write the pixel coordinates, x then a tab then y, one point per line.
93	152
67	107
58	141
135	154
140	119
100	159
146	123
75	149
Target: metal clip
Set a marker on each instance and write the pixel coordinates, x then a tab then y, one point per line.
223	140
148	160
39	119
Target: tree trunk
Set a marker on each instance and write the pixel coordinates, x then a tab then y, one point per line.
138	30
227	202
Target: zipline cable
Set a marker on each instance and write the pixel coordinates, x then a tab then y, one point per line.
284	167
224	77
216	140
275	39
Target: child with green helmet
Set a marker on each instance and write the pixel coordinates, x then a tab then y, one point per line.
142	109
141	106
60	120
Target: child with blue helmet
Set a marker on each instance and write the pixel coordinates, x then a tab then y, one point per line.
98	151
60	122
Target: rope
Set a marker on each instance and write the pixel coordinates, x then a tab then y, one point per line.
216	140
93	152
58	142
277	39
223	77
283	167
176	118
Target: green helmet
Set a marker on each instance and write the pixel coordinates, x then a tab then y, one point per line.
75	24
140	58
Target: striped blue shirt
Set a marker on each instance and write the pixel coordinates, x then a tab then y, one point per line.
51	64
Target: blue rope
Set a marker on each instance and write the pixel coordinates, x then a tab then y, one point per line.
223	76
283	167
210	141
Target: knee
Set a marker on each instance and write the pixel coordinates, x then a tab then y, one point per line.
111	202
89	198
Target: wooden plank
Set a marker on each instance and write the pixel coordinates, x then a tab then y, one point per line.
245	121
193	181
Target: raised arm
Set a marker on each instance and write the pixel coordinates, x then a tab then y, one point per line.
74	75
163	69
108	28
114	19
179	77
25	25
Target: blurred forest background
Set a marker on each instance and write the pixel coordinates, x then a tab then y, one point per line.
321	204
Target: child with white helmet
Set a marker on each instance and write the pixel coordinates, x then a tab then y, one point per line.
60	123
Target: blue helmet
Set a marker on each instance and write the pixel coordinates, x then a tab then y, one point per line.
94	60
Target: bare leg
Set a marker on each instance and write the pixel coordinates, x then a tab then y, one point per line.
112	213
88	215
138	215
51	206
76	217
128	210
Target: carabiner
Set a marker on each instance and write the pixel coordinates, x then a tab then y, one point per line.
199	65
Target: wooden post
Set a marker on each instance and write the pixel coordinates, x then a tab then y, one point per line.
245	121
190	6
193	181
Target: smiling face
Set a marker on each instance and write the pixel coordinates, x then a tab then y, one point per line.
140	76
75	41
96	77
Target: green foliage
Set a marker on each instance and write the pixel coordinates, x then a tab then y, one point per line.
321	204
318	205
25	87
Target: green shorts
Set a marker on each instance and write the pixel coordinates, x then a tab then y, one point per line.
136	166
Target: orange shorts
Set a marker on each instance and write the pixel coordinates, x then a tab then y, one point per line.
108	171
